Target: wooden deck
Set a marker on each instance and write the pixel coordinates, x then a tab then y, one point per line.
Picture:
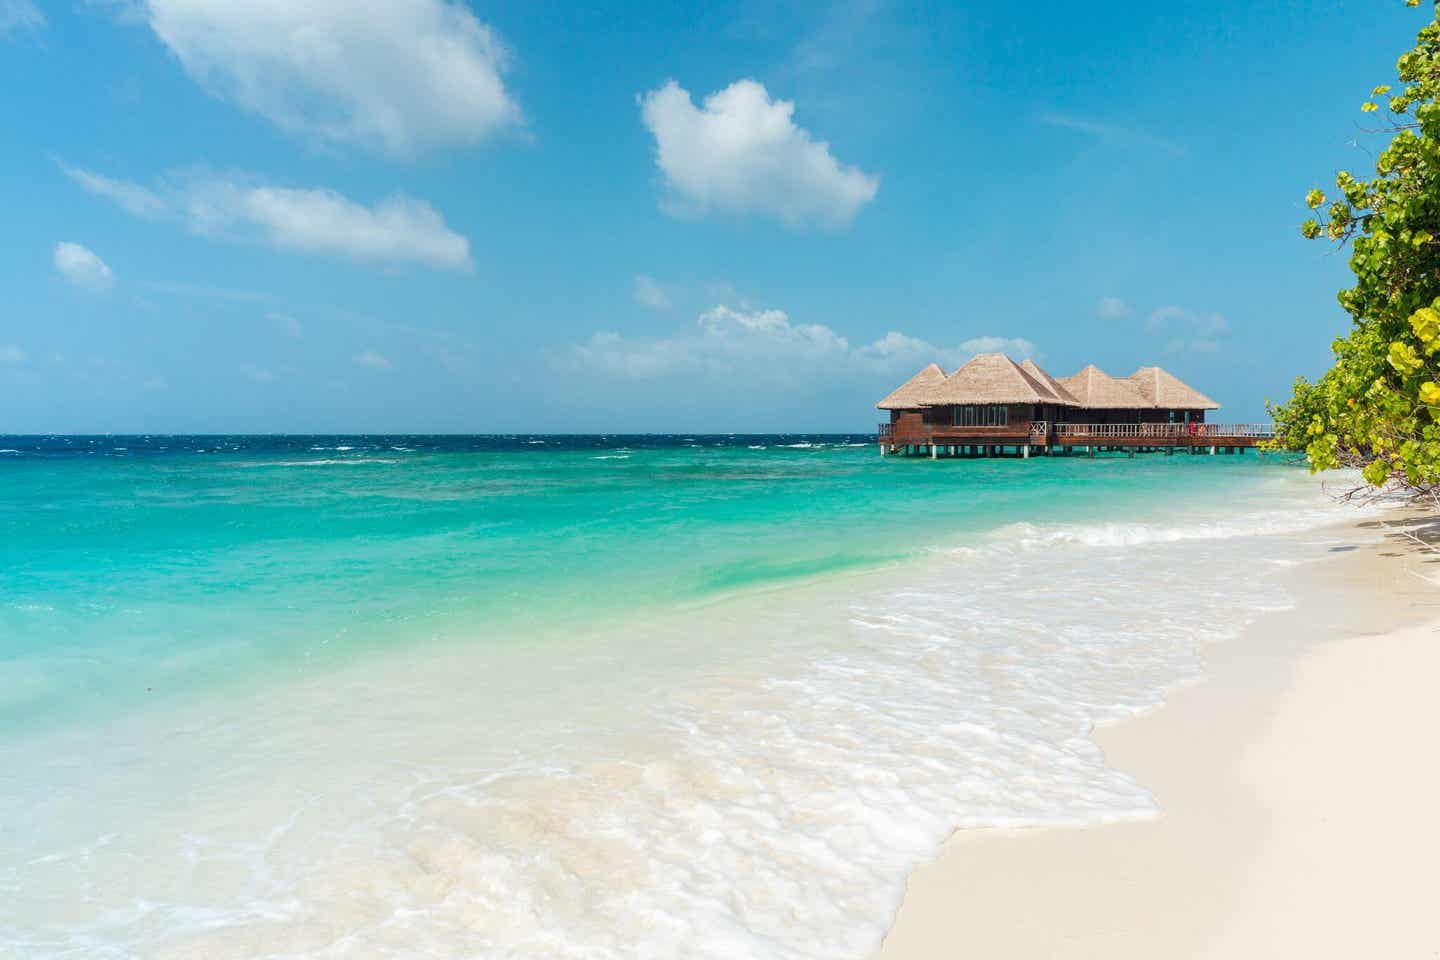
1040	437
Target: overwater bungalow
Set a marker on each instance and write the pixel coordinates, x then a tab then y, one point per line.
994	406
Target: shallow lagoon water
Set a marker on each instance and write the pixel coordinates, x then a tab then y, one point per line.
574	697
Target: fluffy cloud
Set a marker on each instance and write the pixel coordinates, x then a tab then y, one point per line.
1017	347
897	351
399	76
766	346
82	267
11	355
741	152
15	14
649	293
399	229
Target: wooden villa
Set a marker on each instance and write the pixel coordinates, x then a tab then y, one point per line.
993	406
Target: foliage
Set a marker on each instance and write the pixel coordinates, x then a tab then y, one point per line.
1378	408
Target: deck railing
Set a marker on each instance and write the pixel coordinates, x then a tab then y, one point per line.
1164	430
1044	432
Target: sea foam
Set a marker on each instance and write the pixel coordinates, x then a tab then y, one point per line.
746	777
767	803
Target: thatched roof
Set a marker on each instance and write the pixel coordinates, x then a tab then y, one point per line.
1060	394
995	378
1163	390
988	378
907	397
1095	389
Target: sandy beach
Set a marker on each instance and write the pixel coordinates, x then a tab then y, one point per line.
1297	787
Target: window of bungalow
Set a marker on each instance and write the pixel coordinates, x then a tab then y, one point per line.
982	415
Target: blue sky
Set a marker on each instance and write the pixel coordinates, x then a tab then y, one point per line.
239	215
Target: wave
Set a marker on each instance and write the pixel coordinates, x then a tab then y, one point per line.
350	462
754	782
1031	536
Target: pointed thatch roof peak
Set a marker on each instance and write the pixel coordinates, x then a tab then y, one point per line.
1060	394
988	378
995	378
907	396
1097	390
1163	390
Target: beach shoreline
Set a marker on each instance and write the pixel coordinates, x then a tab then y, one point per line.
749	769
1296	809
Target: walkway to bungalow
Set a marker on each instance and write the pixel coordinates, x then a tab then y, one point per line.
1068	439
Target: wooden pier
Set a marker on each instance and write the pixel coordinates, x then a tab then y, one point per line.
914	438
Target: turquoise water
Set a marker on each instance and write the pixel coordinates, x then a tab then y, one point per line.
600	698
148	567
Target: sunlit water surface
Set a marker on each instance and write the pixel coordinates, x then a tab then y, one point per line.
548	697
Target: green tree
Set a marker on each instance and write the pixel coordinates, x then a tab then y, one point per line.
1378	408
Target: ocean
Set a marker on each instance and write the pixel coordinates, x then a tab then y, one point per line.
576	697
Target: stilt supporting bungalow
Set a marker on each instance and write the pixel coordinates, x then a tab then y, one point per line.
992	404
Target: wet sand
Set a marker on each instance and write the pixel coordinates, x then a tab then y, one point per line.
1298	788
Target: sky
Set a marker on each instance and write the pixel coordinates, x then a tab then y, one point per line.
250	216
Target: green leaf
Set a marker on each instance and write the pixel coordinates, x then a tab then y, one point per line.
1425	323
1378	407
1403	358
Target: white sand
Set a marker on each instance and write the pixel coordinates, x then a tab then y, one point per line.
1300	796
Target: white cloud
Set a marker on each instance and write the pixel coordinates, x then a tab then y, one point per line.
774	325
82	267
17	14
1017	347
741	152
1112	308
765	346
398	229
258	374
130	197
11	355
897	351
371	359
402	76
897	347
649	293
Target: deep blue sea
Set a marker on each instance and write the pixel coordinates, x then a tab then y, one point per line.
545	696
